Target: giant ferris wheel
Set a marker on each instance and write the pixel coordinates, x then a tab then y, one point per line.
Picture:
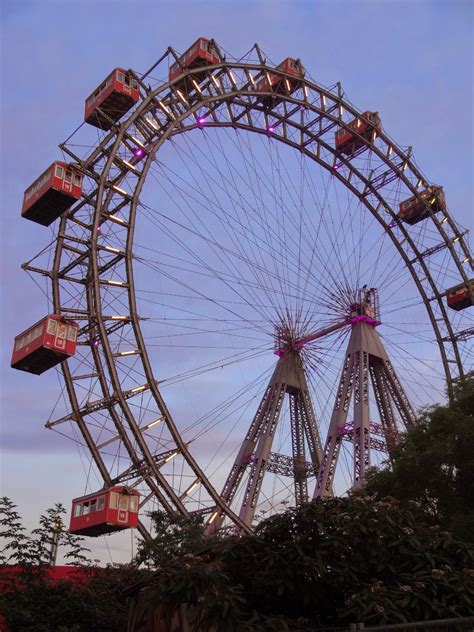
260	287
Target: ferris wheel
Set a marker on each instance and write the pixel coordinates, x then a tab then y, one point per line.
254	286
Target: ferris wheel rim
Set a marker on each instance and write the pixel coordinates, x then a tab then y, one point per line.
142	108
346	106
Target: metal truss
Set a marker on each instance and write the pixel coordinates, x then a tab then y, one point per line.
255	458
366	362
285	465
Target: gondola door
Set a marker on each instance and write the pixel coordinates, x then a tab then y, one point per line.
67	183
122	513
60	338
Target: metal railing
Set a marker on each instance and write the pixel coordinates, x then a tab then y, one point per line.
463	624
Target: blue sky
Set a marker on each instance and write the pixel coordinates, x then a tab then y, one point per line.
411	61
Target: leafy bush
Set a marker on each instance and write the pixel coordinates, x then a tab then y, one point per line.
33	599
330	562
434	464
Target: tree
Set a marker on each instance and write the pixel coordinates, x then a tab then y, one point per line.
174	537
93	599
434	465
16	544
181	553
331	562
32	599
35	549
51	532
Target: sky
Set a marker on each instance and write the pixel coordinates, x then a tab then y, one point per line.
409	60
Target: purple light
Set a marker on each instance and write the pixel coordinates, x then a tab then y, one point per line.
99	230
270	129
201	120
364	319
95	342
138	152
392	225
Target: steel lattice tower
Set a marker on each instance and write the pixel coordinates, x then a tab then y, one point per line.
366	365
255	452
366	362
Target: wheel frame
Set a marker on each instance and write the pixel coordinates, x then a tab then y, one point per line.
233	91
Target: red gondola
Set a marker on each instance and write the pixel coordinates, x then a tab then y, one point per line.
115	96
104	512
418	207
201	54
368	126
278	84
52	193
461	296
45	344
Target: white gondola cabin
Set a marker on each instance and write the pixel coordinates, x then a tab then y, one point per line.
106	511
50	341
52	193
461	296
112	99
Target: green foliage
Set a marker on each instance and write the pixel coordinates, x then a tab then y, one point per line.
33	601
174	536
328	563
434	465
213	601
188	575
19	548
51	527
15	543
38	603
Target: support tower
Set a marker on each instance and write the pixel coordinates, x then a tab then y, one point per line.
366	364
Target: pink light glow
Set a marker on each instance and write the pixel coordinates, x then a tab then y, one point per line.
138	152
346	429
270	129
364	319
201	120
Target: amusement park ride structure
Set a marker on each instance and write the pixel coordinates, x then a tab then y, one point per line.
97	198
365	360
